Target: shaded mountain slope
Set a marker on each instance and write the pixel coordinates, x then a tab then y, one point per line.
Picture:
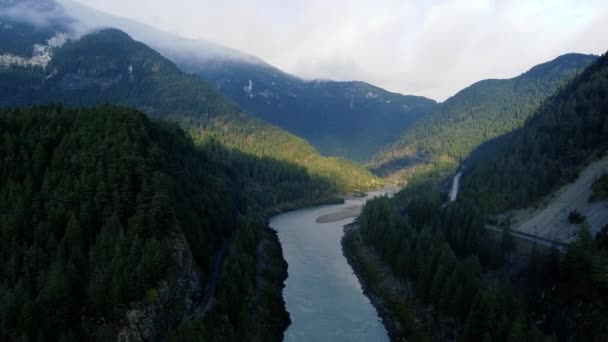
351	119
108	66
478	113
567	132
111	223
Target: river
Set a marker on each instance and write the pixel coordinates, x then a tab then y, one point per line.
323	296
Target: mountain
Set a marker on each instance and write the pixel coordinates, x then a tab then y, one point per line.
480	112
350	119
117	225
108	66
23	34
500	287
566	135
567	132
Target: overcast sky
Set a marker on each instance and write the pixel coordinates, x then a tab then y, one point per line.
429	48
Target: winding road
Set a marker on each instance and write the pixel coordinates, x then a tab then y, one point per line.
560	246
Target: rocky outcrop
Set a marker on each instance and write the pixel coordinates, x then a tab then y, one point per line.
165	306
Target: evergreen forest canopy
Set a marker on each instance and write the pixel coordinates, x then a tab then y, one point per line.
478	113
91	200
565	133
108	66
468	277
100	205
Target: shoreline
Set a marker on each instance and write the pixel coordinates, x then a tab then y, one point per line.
339	198
395	312
343	214
352	211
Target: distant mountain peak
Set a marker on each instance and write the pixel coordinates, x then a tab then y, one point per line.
477	113
569	60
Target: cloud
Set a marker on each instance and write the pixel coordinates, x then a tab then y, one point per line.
42	14
39	14
430	48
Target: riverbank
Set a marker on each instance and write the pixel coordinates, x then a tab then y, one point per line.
291	206
323	296
271	318
387	294
343	214
352	211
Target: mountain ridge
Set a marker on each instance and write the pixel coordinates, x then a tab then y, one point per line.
338	121
109	66
477	113
348	118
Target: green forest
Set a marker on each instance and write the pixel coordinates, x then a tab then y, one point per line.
109	67
358	118
91	199
466	276
135	198
567	132
439	250
478	113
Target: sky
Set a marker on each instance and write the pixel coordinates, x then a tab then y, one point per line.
429	48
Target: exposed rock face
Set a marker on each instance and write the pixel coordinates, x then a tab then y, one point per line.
170	302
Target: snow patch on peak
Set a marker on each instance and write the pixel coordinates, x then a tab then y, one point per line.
41	54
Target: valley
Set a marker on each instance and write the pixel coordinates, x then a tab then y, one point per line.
159	186
478	113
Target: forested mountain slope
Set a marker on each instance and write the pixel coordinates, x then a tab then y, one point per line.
108	66
478	113
351	119
104	211
568	131
479	290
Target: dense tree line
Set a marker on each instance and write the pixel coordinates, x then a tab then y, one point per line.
568	295
417	241
90	199
260	139
249	304
478	113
